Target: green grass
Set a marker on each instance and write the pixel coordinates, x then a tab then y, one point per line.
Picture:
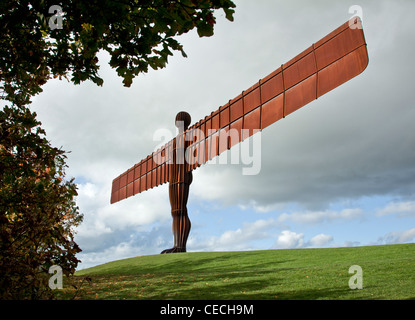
388	273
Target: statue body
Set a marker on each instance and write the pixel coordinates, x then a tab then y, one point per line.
180	179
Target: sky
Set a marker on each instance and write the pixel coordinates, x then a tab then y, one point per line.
338	172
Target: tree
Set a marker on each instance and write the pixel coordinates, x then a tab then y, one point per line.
37	208
41	40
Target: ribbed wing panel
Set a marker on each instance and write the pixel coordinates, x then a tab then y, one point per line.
335	59
148	173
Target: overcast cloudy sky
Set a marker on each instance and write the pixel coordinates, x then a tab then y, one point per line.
338	172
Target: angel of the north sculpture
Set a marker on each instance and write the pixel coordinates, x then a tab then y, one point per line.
325	65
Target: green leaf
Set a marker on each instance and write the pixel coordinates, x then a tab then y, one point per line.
204	30
229	13
128	79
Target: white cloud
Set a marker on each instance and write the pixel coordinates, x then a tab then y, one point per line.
289	240
119	251
320	240
107	225
402	209
398	237
239	239
87	190
314	217
351	244
126	243
93	229
142	209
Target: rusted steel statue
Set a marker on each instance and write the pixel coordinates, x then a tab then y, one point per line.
180	178
325	65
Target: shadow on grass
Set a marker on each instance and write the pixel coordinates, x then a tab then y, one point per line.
247	261
269	285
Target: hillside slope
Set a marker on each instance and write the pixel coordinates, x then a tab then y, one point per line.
388	273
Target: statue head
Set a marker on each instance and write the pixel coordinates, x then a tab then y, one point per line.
183	120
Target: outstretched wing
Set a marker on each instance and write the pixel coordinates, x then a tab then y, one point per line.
148	173
325	65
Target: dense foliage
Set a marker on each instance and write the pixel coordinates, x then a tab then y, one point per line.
41	39
37	208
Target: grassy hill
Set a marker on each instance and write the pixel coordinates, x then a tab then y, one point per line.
388	273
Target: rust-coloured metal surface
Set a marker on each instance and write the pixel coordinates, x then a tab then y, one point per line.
328	63
180	179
